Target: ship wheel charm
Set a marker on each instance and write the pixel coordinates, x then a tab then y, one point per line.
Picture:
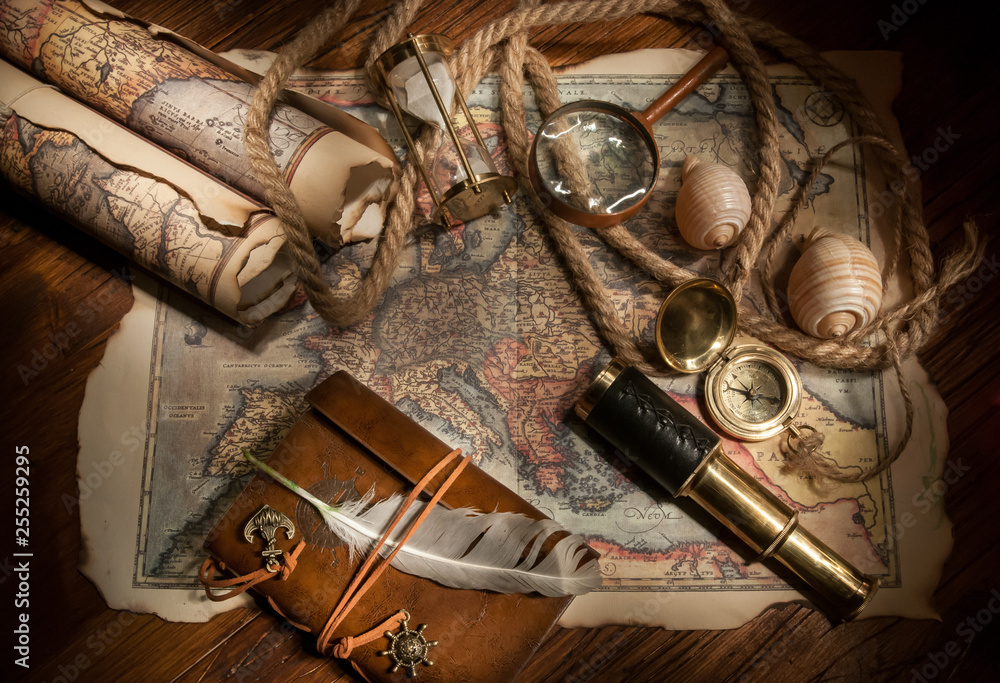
408	648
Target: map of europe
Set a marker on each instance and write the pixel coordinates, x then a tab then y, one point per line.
482	339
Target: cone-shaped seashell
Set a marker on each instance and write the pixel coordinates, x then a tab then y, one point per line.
713	204
835	286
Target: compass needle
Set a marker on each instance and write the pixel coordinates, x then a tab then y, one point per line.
752	392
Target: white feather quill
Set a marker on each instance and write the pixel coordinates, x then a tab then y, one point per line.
462	548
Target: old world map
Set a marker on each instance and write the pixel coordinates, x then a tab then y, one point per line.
482	339
156	87
138	215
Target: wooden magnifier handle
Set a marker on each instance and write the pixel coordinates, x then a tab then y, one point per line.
699	73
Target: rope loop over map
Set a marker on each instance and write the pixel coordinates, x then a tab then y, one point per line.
502	45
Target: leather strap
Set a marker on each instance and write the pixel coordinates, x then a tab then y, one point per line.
343	647
366	575
240	584
316	450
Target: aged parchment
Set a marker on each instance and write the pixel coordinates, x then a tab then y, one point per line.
897	521
144	78
482	339
167	216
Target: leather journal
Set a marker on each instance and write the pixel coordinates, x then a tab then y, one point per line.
350	442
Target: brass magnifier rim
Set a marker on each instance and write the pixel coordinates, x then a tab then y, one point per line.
570	213
642	123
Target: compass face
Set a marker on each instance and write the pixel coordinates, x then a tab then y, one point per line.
753	393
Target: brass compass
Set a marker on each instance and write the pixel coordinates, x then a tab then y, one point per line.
752	392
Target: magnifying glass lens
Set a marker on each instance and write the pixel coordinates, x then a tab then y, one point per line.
594	161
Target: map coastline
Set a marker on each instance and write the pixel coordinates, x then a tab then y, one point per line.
482	340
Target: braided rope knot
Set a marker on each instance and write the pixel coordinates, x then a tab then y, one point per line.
503	43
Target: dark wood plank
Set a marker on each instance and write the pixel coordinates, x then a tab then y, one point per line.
62	296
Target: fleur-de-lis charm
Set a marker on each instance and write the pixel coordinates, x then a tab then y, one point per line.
267	521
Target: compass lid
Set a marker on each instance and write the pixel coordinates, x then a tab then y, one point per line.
696	323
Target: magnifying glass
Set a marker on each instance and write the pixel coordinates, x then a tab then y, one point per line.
595	163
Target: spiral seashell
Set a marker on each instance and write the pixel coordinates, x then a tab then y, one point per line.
835	286
713	204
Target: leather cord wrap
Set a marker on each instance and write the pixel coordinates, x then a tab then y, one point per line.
369	572
240	584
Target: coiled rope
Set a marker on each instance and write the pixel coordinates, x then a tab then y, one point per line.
502	45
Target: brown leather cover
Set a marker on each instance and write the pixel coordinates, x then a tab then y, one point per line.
350	441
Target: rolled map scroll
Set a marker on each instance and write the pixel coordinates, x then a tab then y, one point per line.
141	76
167	216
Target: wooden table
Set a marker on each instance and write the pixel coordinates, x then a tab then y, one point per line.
55	280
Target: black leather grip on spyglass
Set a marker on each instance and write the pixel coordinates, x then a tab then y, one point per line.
651	429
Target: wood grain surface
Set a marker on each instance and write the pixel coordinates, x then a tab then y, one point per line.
59	287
